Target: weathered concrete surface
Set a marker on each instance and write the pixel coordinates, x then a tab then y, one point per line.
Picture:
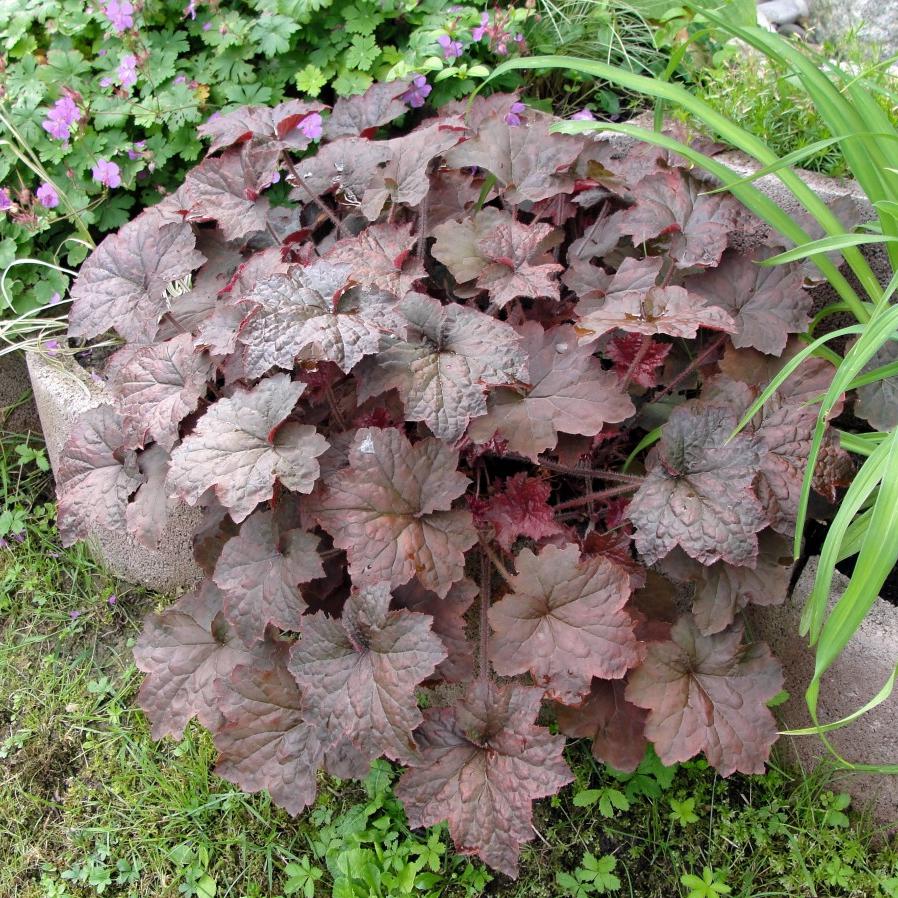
18	412
63	391
864	666
876	21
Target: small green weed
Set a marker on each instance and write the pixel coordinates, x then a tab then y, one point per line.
594	876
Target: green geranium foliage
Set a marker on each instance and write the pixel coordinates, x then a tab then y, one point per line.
100	102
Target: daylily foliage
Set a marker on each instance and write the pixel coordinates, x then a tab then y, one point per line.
404	402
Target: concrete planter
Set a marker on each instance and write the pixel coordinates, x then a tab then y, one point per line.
63	390
864	666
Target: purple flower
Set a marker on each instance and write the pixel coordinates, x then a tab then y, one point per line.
207	26
47	196
5	201
584	115
112	599
513	117
127	70
61	117
478	33
106	82
120	14
107	173
311	126
74	615
451	49
18	537
51	346
190	9
4	544
417	93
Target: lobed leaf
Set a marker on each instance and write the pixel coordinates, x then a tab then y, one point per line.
159	386
186	652
564	622
123	284
615	726
96	476
569	392
391	511
766	303
696	225
313	313
443	369
698	490
359	673
708	693
481	765
259	572
242	445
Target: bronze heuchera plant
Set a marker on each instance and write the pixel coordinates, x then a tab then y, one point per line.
403	400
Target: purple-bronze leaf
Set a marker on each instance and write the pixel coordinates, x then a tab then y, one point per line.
767	303
784	426
262	124
185	651
506	257
123	284
359	673
242	445
517	262
634	304
448	616
391	511
379	257
346	167
877	403
147	514
442	371
377	106
481	765
615	726
405	178
708	693
96	476
722	590
528	162
520	508
226	189
457	242
569	393
314	313
158	387
675	205
698	491
265	742
564	622
259	573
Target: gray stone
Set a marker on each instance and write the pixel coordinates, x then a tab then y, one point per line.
864	666
876	22
18	413
783	12
62	391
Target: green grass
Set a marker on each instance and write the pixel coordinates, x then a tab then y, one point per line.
766	102
90	805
